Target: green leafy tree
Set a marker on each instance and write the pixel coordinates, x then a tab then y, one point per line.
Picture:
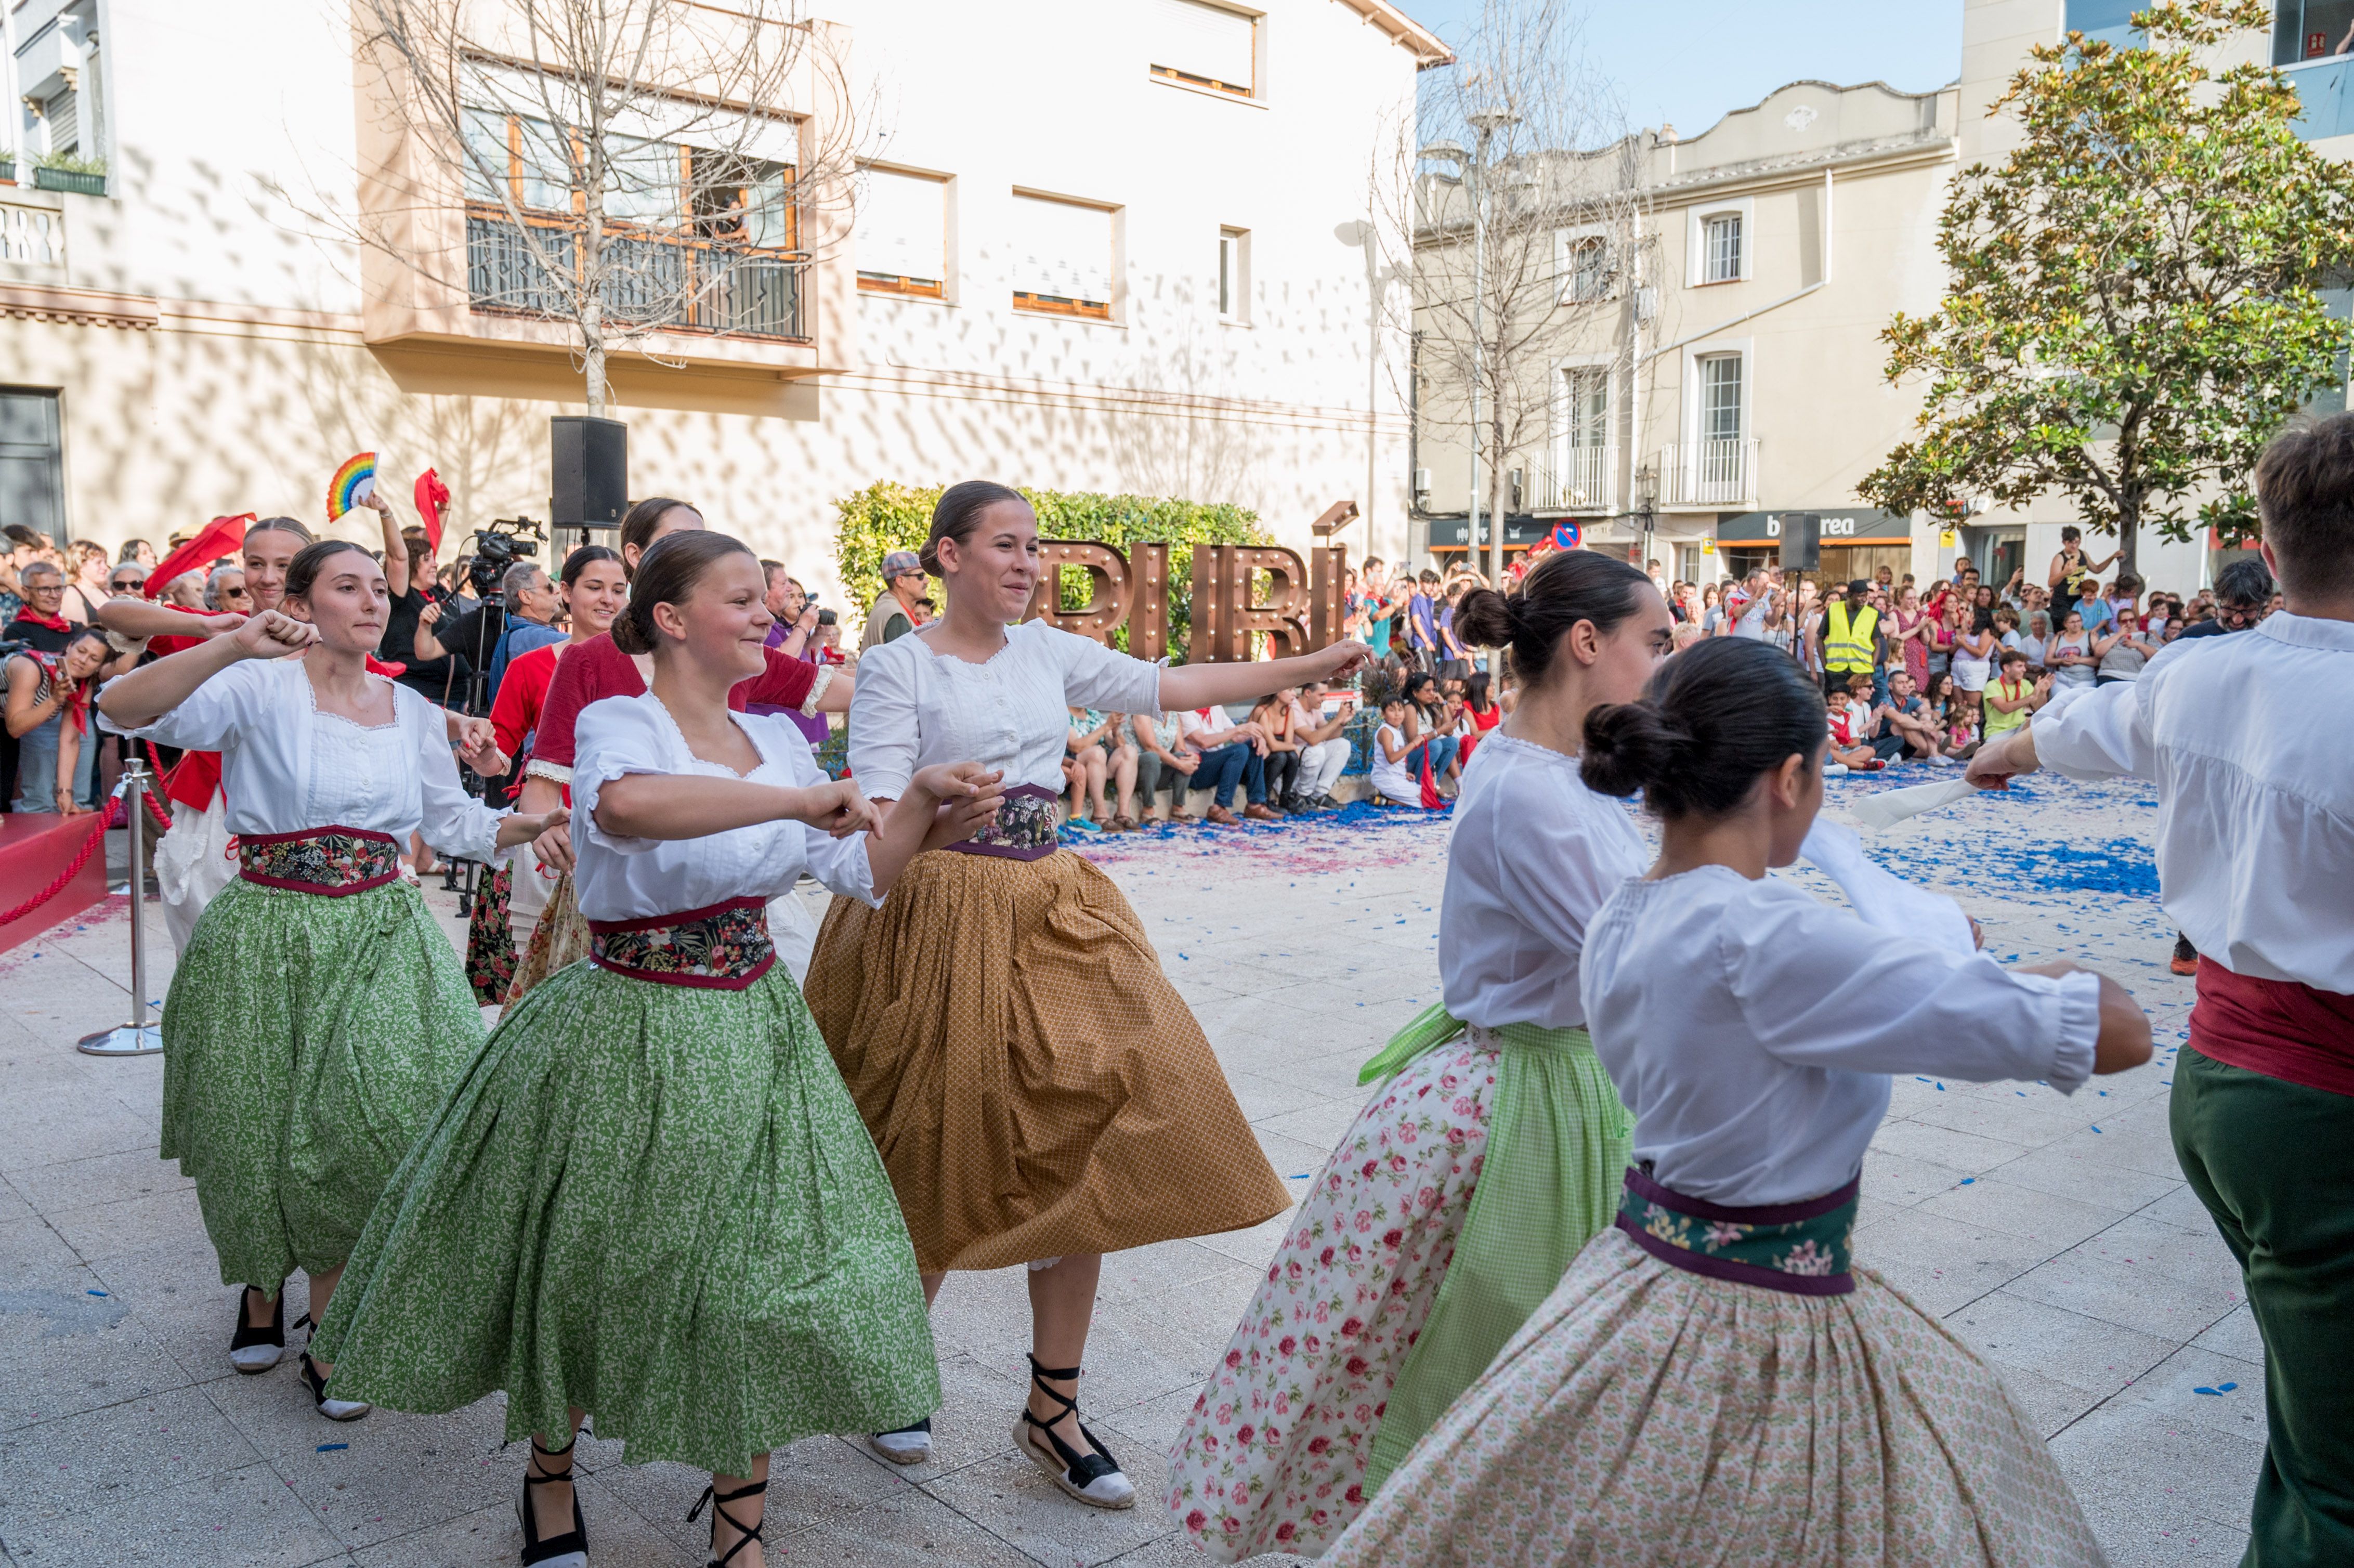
884	516
2131	307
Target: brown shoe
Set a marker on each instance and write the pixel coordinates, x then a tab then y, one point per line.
1218	817
1258	813
1184	818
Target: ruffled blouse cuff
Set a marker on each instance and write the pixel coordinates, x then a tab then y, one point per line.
2079	1004
817	691
555	772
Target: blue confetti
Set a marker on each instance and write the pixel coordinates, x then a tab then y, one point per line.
2096	1130
1970	1181
93	1293
1300	1176
2219	1391
331	1447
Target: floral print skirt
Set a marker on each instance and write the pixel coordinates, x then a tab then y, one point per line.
655	1201
1274	1456
1650	1417
307	1042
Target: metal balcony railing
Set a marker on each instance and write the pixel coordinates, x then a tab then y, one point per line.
1573	479
689	285
1709	472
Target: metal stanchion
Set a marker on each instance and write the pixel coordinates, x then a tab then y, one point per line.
138	1037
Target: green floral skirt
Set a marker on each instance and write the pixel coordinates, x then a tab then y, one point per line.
307	1041
656	1203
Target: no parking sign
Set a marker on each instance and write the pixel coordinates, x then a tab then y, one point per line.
1566	536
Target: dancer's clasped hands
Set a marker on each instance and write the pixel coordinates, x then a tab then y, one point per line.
272	634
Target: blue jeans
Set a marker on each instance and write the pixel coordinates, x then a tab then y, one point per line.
1227	766
1441	748
36	768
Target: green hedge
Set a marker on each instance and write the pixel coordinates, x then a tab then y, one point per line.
884	517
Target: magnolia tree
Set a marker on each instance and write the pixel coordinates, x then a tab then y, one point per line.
2131	306
627	167
1520	243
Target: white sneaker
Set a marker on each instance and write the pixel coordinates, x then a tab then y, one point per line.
1834	769
907	1446
1942	760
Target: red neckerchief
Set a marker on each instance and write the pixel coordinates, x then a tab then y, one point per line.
54	622
77	692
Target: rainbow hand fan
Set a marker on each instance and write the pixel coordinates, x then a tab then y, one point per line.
353	482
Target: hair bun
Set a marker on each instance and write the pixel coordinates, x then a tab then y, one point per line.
1629	747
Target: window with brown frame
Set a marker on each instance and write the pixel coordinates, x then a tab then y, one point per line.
902	234
1064	261
1204	45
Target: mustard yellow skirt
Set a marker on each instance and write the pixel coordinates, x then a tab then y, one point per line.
1036	1087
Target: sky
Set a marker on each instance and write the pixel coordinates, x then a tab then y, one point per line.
1689	62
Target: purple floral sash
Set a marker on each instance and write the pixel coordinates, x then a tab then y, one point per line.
331	861
1025	827
723	947
1801	1249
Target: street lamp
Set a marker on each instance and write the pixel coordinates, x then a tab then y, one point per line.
1485	123
1647	494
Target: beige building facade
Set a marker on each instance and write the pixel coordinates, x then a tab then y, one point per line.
1115	247
1740	378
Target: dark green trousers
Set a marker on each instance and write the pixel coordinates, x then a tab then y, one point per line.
2274	1162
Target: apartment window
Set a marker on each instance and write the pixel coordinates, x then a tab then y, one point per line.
1234	274
2111	21
1583	261
1720	397
1204	46
32	462
1721	248
655	186
903	234
1063	264
1587	392
2302	29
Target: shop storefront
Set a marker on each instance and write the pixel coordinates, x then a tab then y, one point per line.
1857	542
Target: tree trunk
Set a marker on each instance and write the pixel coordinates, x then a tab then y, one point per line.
2129	537
592	341
1500	491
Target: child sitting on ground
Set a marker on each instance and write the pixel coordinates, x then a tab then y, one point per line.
1848	752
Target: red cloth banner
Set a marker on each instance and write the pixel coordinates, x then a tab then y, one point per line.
221	537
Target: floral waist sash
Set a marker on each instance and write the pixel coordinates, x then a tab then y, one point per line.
723	947
1801	1249
1025	827
331	862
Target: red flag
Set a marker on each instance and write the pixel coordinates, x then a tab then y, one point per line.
432	496
221	537
1431	799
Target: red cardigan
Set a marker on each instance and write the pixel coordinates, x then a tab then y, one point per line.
596	668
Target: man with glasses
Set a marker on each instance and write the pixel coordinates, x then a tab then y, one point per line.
41	622
2243	592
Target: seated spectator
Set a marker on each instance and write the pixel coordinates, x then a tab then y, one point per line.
2121	654
1962	727
1430	726
2037	636
1231	755
1323	748
1906	719
1083	766
1163	758
1394	783
1848	753
1279	763
2010	698
1480	713
2069	655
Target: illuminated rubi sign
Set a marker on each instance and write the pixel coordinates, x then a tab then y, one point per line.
1302	614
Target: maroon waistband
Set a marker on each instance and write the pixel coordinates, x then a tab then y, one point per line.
2283	1029
721	947
333	861
1025	827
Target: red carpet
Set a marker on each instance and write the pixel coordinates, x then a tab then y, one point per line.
32	849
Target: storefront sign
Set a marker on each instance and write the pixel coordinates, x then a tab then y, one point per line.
1841	525
1707	545
1302	613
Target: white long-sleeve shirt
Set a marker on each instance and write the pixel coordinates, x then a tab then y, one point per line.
2250	740
1532	855
619	878
1752	1030
286	768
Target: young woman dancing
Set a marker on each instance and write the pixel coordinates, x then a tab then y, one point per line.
1038	1091
596	668
650	1199
1713	1381
1492	1150
595	588
318	1013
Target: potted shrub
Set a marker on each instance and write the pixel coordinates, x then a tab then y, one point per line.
70	172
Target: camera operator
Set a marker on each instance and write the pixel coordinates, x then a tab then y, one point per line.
519	618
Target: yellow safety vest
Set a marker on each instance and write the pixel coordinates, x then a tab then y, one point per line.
1849	647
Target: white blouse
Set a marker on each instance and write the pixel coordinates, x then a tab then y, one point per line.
1752	1030
914	707
286	768
2250	740
1533	854
618	878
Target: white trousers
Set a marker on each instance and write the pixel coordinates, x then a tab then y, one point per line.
1320	765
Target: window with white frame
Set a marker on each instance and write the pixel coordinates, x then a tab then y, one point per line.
1585	435
1583	264
1720	398
1204	45
902	235
1234	274
1062	257
1721	248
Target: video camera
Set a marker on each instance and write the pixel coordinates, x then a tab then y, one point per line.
506	541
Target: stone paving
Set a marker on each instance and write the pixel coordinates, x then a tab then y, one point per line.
2055	1235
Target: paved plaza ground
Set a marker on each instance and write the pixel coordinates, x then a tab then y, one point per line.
2055	1235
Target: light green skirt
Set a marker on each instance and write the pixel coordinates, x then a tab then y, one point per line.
307	1041
656	1203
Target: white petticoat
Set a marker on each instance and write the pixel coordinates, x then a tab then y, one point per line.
193	864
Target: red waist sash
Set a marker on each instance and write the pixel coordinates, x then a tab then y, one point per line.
2280	1028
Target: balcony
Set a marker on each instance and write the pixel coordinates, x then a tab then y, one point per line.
1703	475
1573	479
739	290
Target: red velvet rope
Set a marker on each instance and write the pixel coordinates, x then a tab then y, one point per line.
106	820
155	760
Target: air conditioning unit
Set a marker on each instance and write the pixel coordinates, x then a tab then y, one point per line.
1514	476
1421	482
1646	306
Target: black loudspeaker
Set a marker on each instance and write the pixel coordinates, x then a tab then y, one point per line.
588	474
1802	541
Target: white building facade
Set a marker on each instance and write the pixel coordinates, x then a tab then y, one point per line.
1111	245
